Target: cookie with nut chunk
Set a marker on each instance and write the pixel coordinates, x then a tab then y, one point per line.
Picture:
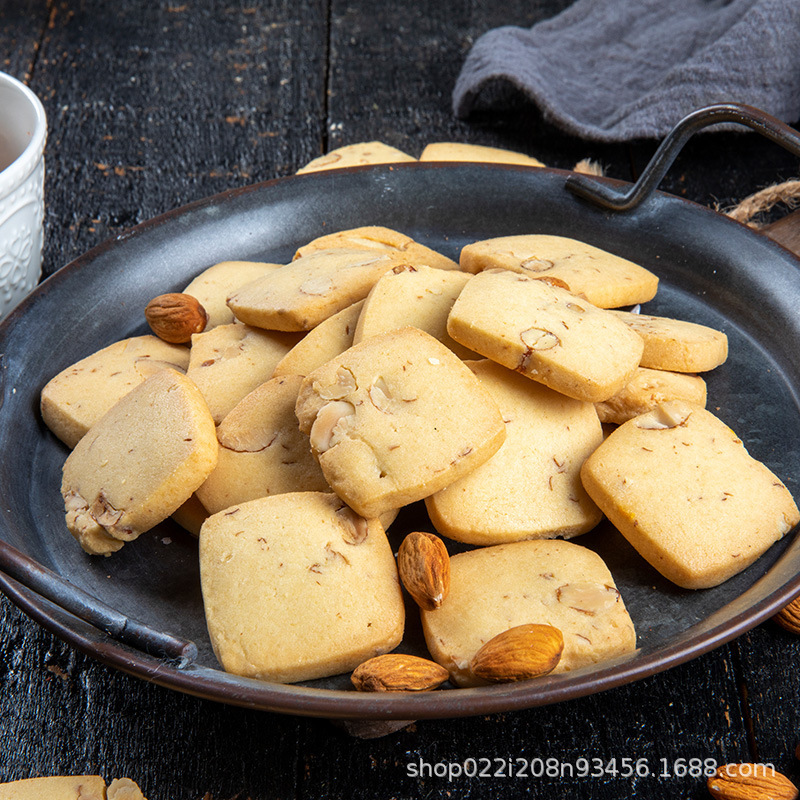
261	449
546	333
386	240
549	582
302	294
357	155
604	279
530	488
79	395
418	296
649	388
677	345
396	418
297	586
139	463
683	490
71	787
228	362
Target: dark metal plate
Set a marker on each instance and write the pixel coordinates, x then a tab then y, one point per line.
712	271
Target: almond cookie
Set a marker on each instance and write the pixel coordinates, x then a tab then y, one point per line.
311	289
682	489
230	361
261	450
546	333
458	151
78	396
550	582
329	339
418	296
649	388
71	787
382	239
396	418
604	279
139	463
212	287
530	488
297	587
356	155
672	344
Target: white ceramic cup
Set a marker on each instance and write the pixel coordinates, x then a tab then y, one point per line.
23	130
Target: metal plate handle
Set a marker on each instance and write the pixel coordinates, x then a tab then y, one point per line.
603	195
32	575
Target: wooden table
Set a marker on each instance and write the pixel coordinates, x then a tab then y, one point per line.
154	105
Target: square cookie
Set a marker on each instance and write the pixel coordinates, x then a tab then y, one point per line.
550	582
261	450
396	418
649	388
676	345
300	295
71	787
374	237
138	463
604	279
296	587
531	487
79	395
213	285
356	155
229	361
681	488
546	333
329	339
418	296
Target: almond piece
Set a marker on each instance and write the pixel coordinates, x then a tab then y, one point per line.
519	654
789	617
397	672
175	317
751	782
424	567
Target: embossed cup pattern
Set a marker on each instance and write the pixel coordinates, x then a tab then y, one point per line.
23	132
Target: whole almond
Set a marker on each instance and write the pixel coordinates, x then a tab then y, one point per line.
397	672
424	567
750	782
519	654
175	317
789	617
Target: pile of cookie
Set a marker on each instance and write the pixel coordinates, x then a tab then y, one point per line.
370	373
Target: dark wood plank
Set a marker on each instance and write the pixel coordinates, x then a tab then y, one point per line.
22	27
151	106
64	713
691	712
770	663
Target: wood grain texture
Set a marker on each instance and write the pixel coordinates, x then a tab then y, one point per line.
22	25
769	659
153	105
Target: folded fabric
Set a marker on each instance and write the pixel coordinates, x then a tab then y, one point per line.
613	70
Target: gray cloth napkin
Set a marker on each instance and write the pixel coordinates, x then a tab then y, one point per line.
613	70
